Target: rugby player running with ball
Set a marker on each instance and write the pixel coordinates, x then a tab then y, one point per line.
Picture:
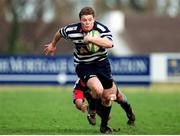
93	68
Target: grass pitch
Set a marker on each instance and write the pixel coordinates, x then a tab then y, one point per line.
50	110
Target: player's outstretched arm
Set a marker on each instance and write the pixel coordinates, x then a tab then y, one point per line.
51	47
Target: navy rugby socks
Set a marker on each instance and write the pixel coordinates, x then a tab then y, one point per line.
105	115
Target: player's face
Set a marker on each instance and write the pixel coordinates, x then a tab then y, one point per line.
87	22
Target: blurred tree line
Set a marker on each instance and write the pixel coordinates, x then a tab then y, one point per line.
18	15
28	24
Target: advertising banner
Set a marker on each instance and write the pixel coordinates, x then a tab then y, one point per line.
131	70
61	70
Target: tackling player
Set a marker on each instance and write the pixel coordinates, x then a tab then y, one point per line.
81	91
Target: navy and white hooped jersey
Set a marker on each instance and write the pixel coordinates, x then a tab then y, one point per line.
75	33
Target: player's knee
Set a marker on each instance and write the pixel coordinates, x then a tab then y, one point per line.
109	95
106	102
121	97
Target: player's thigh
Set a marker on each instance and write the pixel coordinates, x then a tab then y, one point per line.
104	75
86	71
95	85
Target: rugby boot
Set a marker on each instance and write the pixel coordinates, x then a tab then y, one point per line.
92	118
106	130
129	112
131	116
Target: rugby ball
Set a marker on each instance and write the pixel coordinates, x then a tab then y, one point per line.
93	47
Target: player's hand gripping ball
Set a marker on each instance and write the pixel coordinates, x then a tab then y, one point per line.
91	46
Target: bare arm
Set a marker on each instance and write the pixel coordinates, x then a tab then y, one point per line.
56	38
102	42
51	47
80	105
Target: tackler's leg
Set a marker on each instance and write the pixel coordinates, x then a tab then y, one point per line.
122	100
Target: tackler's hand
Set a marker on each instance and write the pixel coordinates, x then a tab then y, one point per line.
84	107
